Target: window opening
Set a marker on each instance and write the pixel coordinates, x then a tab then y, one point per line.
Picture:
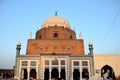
76	63
55	35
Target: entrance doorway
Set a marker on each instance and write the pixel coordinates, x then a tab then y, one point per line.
46	74
33	74
54	73
25	74
76	74
63	75
107	72
85	74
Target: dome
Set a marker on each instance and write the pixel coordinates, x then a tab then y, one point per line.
55	20
18	43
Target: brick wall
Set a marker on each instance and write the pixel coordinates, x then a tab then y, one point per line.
55	39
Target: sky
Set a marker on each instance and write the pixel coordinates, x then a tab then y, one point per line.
97	20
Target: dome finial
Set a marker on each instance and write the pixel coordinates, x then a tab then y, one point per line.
56	13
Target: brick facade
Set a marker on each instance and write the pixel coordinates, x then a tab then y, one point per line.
55	39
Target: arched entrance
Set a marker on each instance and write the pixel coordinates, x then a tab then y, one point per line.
25	74
33	74
63	75
76	74
46	74
85	74
54	73
107	72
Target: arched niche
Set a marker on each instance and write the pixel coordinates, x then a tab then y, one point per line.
107	72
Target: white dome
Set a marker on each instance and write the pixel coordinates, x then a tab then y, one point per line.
55	20
18	43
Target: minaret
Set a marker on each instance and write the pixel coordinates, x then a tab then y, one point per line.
81	36
91	48
18	48
30	35
92	56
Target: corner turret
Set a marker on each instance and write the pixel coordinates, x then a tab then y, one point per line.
18	48
91	54
91	48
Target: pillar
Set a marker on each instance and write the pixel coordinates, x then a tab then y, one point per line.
59	72
59	68
28	76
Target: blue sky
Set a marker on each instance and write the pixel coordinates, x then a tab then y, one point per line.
97	20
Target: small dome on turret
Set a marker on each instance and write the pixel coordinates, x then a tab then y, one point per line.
18	43
90	43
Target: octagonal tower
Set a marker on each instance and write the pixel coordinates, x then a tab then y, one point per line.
55	36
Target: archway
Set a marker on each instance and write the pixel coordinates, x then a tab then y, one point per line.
85	74
107	72
76	74
25	74
46	74
55	35
33	74
54	73
71	37
63	75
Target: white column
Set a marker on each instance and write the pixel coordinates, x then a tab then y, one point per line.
59	73
59	68
43	71
42	68
80	70
37	69
20	71
89	69
50	75
72	70
28	71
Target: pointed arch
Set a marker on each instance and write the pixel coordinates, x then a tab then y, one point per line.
55	35
54	73
33	73
108	71
76	74
46	74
